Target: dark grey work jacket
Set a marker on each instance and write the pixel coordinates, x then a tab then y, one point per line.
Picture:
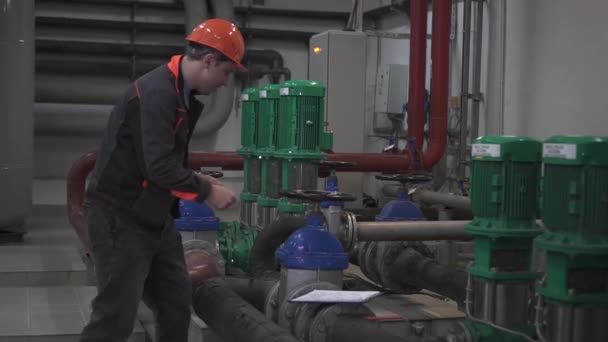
141	167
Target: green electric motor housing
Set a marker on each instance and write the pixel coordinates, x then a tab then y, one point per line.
575	214
504	197
249	118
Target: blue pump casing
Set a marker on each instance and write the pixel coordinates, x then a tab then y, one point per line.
196	216
401	209
313	248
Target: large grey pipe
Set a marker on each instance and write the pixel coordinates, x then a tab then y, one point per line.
413	268
232	318
412	231
496	67
360	329
16	107
464	88
217	112
450	201
477	70
269	239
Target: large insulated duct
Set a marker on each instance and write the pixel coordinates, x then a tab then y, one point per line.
232	318
217	112
16	107
269	239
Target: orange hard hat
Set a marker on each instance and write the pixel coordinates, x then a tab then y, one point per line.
223	36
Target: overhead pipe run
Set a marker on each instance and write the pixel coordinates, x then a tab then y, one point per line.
76	180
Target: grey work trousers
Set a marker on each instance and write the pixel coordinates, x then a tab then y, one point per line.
132	263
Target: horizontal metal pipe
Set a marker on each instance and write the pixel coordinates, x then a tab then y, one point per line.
57	88
452	201
413	231
70	118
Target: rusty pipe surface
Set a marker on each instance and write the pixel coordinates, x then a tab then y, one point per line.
364	162
76	181
413	231
77	176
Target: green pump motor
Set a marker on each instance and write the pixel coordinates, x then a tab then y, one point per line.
573	302
251	164
271	166
504	199
301	137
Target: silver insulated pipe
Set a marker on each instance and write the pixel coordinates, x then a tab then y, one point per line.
16	107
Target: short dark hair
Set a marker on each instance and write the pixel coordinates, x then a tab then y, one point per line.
198	51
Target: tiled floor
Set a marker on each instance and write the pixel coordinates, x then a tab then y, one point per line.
45	293
49	256
46	290
40	313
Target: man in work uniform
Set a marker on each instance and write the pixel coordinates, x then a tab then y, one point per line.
140	173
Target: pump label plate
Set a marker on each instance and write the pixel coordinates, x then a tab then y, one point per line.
561	151
485	150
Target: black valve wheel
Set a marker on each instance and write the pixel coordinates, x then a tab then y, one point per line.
334	164
214	174
412	178
318	196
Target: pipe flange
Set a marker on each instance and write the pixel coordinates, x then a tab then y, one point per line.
271	304
348	235
320	328
287	310
193	246
368	252
304	317
459	332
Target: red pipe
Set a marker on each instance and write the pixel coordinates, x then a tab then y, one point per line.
440	71
77	176
76	181
439	81
415	115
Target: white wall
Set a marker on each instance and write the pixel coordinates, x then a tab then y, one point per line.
556	72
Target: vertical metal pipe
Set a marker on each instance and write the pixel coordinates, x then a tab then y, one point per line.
16	112
496	67
415	115
464	87
477	70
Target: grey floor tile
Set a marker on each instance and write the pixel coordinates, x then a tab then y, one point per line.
55	323
13	295
53	295
13	323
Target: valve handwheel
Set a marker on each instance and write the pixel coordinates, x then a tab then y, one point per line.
214	174
318	196
413	178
